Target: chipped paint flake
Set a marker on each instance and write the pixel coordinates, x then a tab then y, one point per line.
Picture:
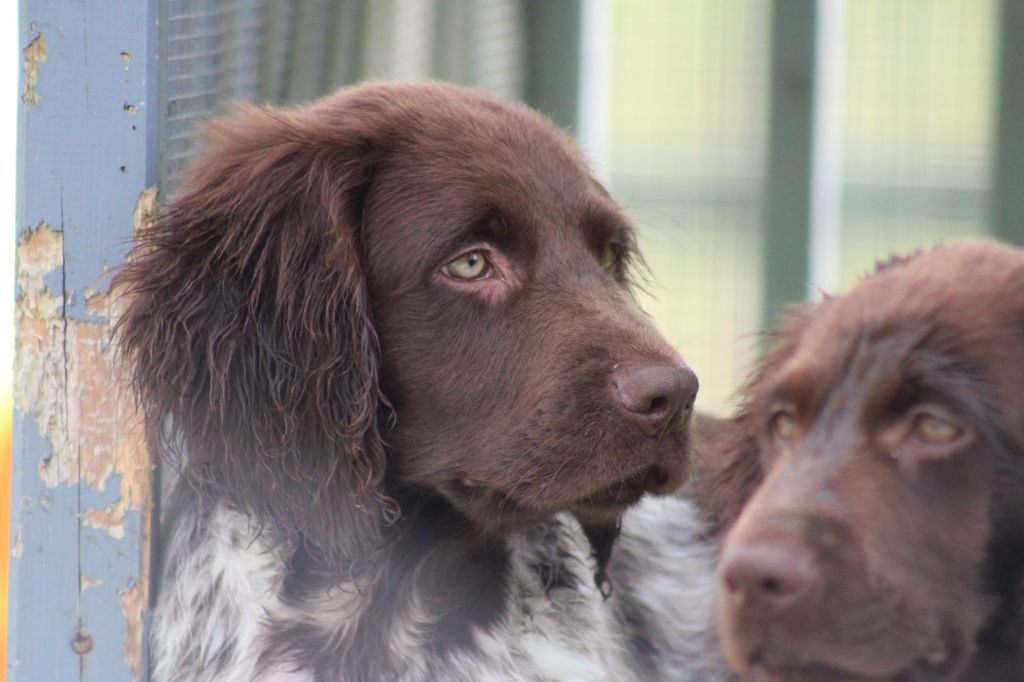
145	208
40	348
110	519
33	55
67	381
127	59
87	583
18	548
133	600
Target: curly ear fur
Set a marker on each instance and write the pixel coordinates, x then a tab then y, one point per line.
249	335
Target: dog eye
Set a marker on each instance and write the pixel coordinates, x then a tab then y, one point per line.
468	266
611	257
783	425
935	430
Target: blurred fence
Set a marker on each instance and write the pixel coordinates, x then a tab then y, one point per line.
767	149
906	111
216	51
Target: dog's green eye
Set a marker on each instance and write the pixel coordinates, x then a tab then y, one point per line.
610	257
783	424
468	266
935	430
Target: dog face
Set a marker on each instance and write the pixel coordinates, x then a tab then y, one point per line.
880	450
498	277
398	291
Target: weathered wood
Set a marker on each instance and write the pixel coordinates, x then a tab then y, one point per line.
81	487
788	164
553	59
1006	211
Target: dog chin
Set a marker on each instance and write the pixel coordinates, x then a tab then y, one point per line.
946	669
496	511
608	504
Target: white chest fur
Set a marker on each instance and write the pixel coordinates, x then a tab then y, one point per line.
221	600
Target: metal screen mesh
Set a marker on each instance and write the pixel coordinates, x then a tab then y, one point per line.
686	122
210	51
215	51
917	101
688	137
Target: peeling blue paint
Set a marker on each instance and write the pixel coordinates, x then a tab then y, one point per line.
83	160
43	606
54	281
107	559
80	134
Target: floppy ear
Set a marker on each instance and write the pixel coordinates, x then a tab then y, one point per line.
728	472
249	332
727	454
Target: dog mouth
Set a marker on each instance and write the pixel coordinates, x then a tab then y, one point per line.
940	664
497	508
616	497
814	673
604	505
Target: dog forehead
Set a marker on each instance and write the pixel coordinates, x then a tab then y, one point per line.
516	165
972	292
975	288
518	178
955	306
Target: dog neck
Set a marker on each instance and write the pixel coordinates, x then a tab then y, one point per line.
441	583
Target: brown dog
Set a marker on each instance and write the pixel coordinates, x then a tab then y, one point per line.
874	482
389	341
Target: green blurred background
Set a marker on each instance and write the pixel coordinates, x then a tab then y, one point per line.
698	114
688	130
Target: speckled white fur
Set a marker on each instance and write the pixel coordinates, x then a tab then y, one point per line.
222	586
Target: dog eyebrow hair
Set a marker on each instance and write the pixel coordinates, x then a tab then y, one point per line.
490	227
954	381
605	223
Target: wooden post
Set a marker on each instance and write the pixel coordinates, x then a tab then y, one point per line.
81	499
787	178
553	59
1006	211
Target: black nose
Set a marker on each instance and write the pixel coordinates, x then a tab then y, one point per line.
765	578
656	397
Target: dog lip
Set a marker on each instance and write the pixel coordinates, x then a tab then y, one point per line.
627	491
761	663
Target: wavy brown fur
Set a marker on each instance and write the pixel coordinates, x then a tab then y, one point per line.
232	353
378	460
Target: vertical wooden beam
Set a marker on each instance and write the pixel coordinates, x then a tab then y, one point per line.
553	33
826	167
787	184
307	63
1007	200
452	58
81	491
344	43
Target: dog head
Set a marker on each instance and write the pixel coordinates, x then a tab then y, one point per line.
874	482
400	291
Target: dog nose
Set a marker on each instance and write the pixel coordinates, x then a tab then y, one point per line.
656	397
765	578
